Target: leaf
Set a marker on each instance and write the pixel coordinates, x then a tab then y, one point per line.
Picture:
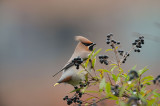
86	104
108	50
79	72
113	68
156	94
108	88
91	53
133	68
93	62
89	98
140	72
116	47
122	89
86	64
103	70
86	77
113	64
102	84
114	77
96	52
148	77
91	91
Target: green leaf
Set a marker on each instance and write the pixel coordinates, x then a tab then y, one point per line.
89	98
148	78
140	72
104	70
91	91
113	68
86	77
122	89
80	71
91	54
133	68
96	52
86	64
86	104
108	50
108	88
114	77
93	62
156	94
102	84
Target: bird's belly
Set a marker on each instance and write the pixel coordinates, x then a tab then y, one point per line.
77	78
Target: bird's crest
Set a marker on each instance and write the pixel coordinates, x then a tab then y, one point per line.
82	39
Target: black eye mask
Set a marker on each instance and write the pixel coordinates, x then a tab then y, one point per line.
87	44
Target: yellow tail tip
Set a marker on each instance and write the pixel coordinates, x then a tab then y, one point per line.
56	84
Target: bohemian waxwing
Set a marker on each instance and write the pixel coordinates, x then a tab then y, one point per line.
70	74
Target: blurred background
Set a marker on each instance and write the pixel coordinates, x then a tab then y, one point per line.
37	39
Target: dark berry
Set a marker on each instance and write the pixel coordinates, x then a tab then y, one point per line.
116	86
77	91
80	102
158	76
118	43
66	97
135	50
81	85
108	39
100	56
85	85
113	41
80	94
138	50
106	62
108	42
141	85
75	87
112	46
154	81
105	57
134	43
101	61
77	67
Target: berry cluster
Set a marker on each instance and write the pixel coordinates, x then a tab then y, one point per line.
103	59
121	52
115	90
77	61
138	44
110	40
125	57
75	98
157	79
133	75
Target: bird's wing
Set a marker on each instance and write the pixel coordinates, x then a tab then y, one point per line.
68	65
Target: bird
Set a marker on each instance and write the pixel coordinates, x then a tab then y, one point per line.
71	75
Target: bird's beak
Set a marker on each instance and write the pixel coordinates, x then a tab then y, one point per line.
56	84
91	47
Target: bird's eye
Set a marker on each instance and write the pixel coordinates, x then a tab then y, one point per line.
91	46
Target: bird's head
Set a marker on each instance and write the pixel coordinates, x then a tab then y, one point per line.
84	41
